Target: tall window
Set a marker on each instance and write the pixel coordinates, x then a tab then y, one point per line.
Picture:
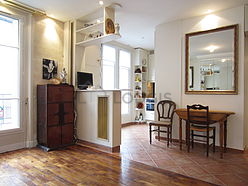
108	67
9	73
116	70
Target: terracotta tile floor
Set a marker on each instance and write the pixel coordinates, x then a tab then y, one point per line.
232	170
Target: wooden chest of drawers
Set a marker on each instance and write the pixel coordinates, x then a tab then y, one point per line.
55	115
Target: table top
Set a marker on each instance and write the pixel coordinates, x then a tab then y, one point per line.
210	111
214	115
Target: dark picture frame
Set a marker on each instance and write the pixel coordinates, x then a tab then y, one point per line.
50	69
235	50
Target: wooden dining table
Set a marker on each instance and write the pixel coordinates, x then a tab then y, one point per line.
215	116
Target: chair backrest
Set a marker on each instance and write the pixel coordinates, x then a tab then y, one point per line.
166	109
198	114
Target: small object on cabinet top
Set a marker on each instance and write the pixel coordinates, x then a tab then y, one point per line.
55	81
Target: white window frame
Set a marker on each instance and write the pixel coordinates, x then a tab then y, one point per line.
117	66
22	72
117	72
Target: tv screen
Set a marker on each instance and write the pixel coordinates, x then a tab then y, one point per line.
84	80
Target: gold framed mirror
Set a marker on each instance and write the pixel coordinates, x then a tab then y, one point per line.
212	61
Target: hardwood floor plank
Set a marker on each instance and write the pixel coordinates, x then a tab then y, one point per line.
77	165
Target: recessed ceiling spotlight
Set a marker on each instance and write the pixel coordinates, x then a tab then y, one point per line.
101	3
223	60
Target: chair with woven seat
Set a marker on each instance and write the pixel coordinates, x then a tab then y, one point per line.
198	118
165	111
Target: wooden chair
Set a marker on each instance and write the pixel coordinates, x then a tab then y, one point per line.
165	110
198	118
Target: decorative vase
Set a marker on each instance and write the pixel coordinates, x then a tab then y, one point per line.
117	28
63	75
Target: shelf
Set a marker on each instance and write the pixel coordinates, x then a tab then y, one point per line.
102	39
91	29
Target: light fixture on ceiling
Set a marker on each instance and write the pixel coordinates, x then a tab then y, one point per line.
101	3
209	22
23	7
209	11
211	48
223	60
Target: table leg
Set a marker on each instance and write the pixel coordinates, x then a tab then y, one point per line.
221	138
180	133
188	135
225	135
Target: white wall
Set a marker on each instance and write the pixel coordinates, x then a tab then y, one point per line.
91	63
87	120
168	65
151	68
170	73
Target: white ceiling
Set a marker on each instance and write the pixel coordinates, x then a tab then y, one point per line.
137	18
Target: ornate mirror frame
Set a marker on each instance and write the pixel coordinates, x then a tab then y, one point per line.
188	68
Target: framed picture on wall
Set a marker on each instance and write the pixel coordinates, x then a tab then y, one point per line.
50	69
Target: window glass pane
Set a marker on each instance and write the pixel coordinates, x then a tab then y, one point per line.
108	77
124	78
9	72
9	119
125	59
125	102
109	53
9	31
106	62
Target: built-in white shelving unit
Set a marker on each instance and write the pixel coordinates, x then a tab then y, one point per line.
91	30
140	84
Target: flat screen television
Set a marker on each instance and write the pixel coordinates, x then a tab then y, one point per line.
84	80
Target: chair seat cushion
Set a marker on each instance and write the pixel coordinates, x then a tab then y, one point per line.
200	128
160	123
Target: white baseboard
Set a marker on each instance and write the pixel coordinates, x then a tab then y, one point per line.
16	146
30	144
12	147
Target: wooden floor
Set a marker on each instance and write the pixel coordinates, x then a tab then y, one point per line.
77	165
